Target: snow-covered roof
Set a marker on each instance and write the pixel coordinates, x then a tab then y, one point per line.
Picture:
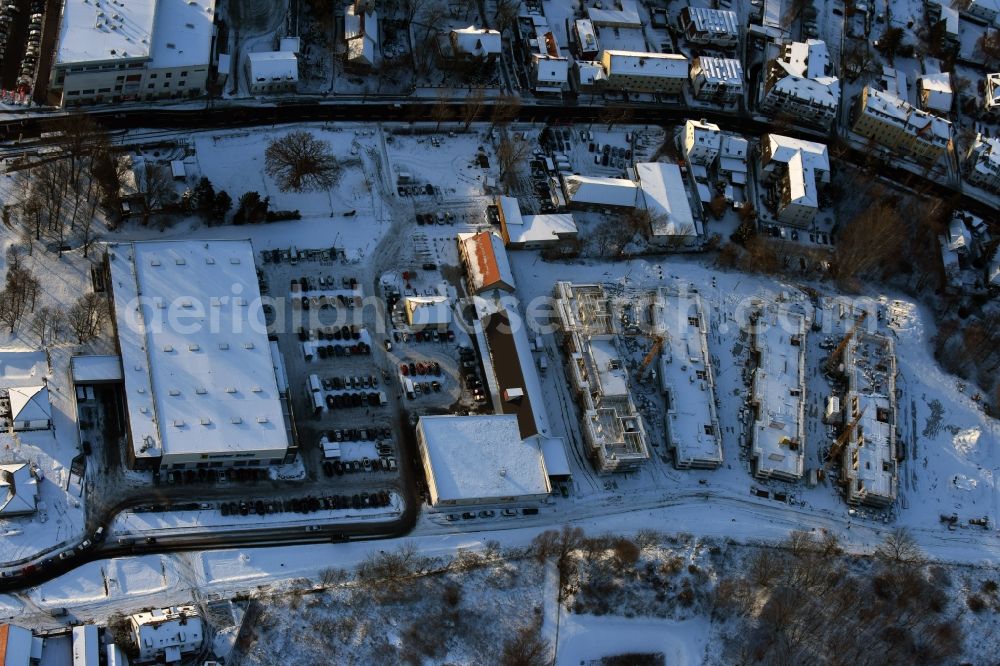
481	458
541	228
714	22
735	147
510	210
891	109
586	34
662	192
894	81
428	311
478	42
599	191
15	645
589	72
86	647
936	89
554	454
18	489
361	33
871	367
292	44
728	71
22	367
199	377
985	157
686	374
638	63
182	32
550	69
266	66
100	368
170	33
778	434
611	379
701	138
105	30
803	74
171	631
620	14
959	237
804	159
486	261
993	90
30	405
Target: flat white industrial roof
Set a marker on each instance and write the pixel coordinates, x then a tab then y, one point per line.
101	30
779	389
171	33
662	190
482	457
182	32
686	370
199	376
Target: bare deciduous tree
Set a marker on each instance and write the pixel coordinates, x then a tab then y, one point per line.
299	161
526	648
87	316
505	109
154	189
899	546
473	107
510	153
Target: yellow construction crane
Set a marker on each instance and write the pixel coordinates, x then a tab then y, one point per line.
841	441
831	362
657	346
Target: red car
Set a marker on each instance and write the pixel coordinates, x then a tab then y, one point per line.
404	369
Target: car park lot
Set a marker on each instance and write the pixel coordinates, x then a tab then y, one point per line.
337	373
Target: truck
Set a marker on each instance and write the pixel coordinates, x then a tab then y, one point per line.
314	383
408	387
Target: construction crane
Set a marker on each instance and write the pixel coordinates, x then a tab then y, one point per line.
831	362
841	441
657	346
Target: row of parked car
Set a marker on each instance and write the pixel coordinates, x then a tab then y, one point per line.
341	467
470	373
348	400
308	504
340	349
8	16
360	434
490	513
189	476
322	282
349	382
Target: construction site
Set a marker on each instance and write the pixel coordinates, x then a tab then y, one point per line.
686	378
777	392
863	406
613	431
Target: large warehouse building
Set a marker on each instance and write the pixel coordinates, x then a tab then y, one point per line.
480	460
201	377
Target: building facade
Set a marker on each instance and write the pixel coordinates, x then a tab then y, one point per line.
147	50
900	127
717	80
799	83
634	71
982	163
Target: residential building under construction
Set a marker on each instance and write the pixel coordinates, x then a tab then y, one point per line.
866	447
612	428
